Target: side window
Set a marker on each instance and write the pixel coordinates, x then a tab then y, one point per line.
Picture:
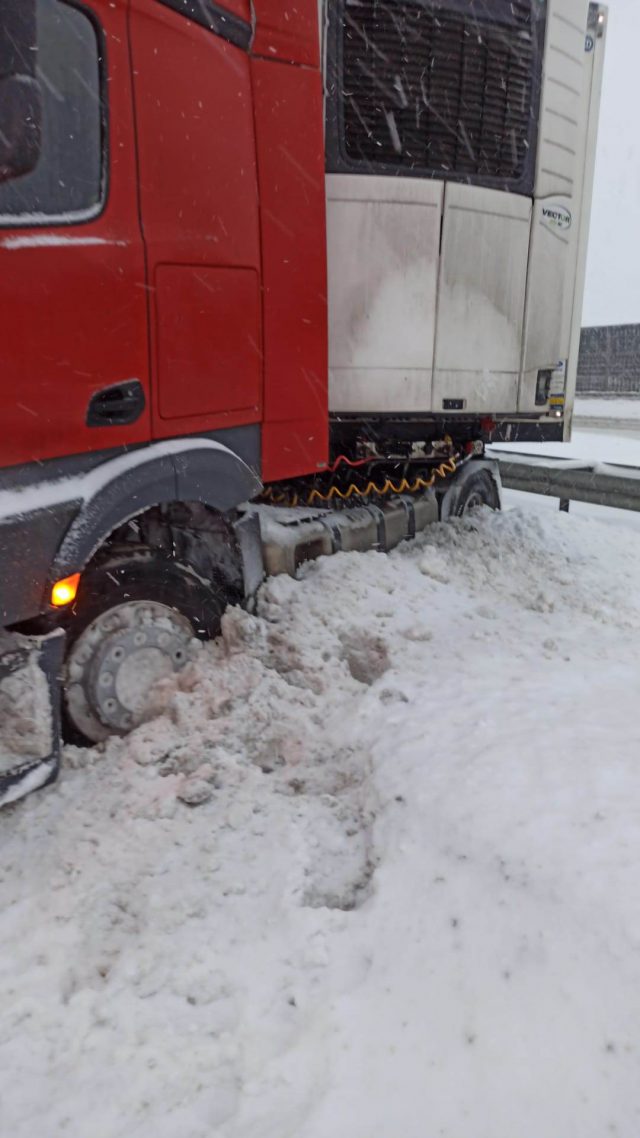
67	183
439	88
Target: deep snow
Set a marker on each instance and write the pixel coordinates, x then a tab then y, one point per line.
410	907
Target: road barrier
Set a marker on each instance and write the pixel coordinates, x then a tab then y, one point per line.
571	480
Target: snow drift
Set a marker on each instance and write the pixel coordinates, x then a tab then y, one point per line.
373	872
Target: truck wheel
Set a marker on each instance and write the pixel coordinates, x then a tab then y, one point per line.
133	623
477	489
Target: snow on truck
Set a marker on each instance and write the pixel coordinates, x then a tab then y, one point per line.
271	274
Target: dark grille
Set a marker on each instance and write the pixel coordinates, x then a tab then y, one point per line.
443	88
609	362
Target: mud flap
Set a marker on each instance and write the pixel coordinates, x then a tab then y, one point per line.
29	712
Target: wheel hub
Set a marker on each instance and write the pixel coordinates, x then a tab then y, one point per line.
115	662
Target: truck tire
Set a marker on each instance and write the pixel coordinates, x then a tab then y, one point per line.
474	486
134	622
478	490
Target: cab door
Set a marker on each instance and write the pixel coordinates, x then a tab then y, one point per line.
199	209
73	338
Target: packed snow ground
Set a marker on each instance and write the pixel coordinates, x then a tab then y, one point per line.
410	907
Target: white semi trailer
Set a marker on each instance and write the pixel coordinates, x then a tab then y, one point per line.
461	147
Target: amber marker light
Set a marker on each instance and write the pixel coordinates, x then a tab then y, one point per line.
64	591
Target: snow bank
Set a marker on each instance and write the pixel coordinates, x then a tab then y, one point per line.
613	407
410	906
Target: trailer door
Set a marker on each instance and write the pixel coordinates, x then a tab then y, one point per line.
383	236
481	299
560	209
199	211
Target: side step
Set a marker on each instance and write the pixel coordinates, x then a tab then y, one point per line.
292	536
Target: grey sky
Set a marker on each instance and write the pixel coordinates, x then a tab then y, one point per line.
613	272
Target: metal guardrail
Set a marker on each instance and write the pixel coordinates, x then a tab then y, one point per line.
571	480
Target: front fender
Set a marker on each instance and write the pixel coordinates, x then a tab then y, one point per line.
196	470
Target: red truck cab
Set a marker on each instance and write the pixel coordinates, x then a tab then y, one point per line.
163	320
163	267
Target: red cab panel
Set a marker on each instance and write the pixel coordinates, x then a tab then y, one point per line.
290	141
241	8
289	32
199	208
209	355
72	278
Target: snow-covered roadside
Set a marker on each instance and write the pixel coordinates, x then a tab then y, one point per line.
593	445
611	407
411	906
